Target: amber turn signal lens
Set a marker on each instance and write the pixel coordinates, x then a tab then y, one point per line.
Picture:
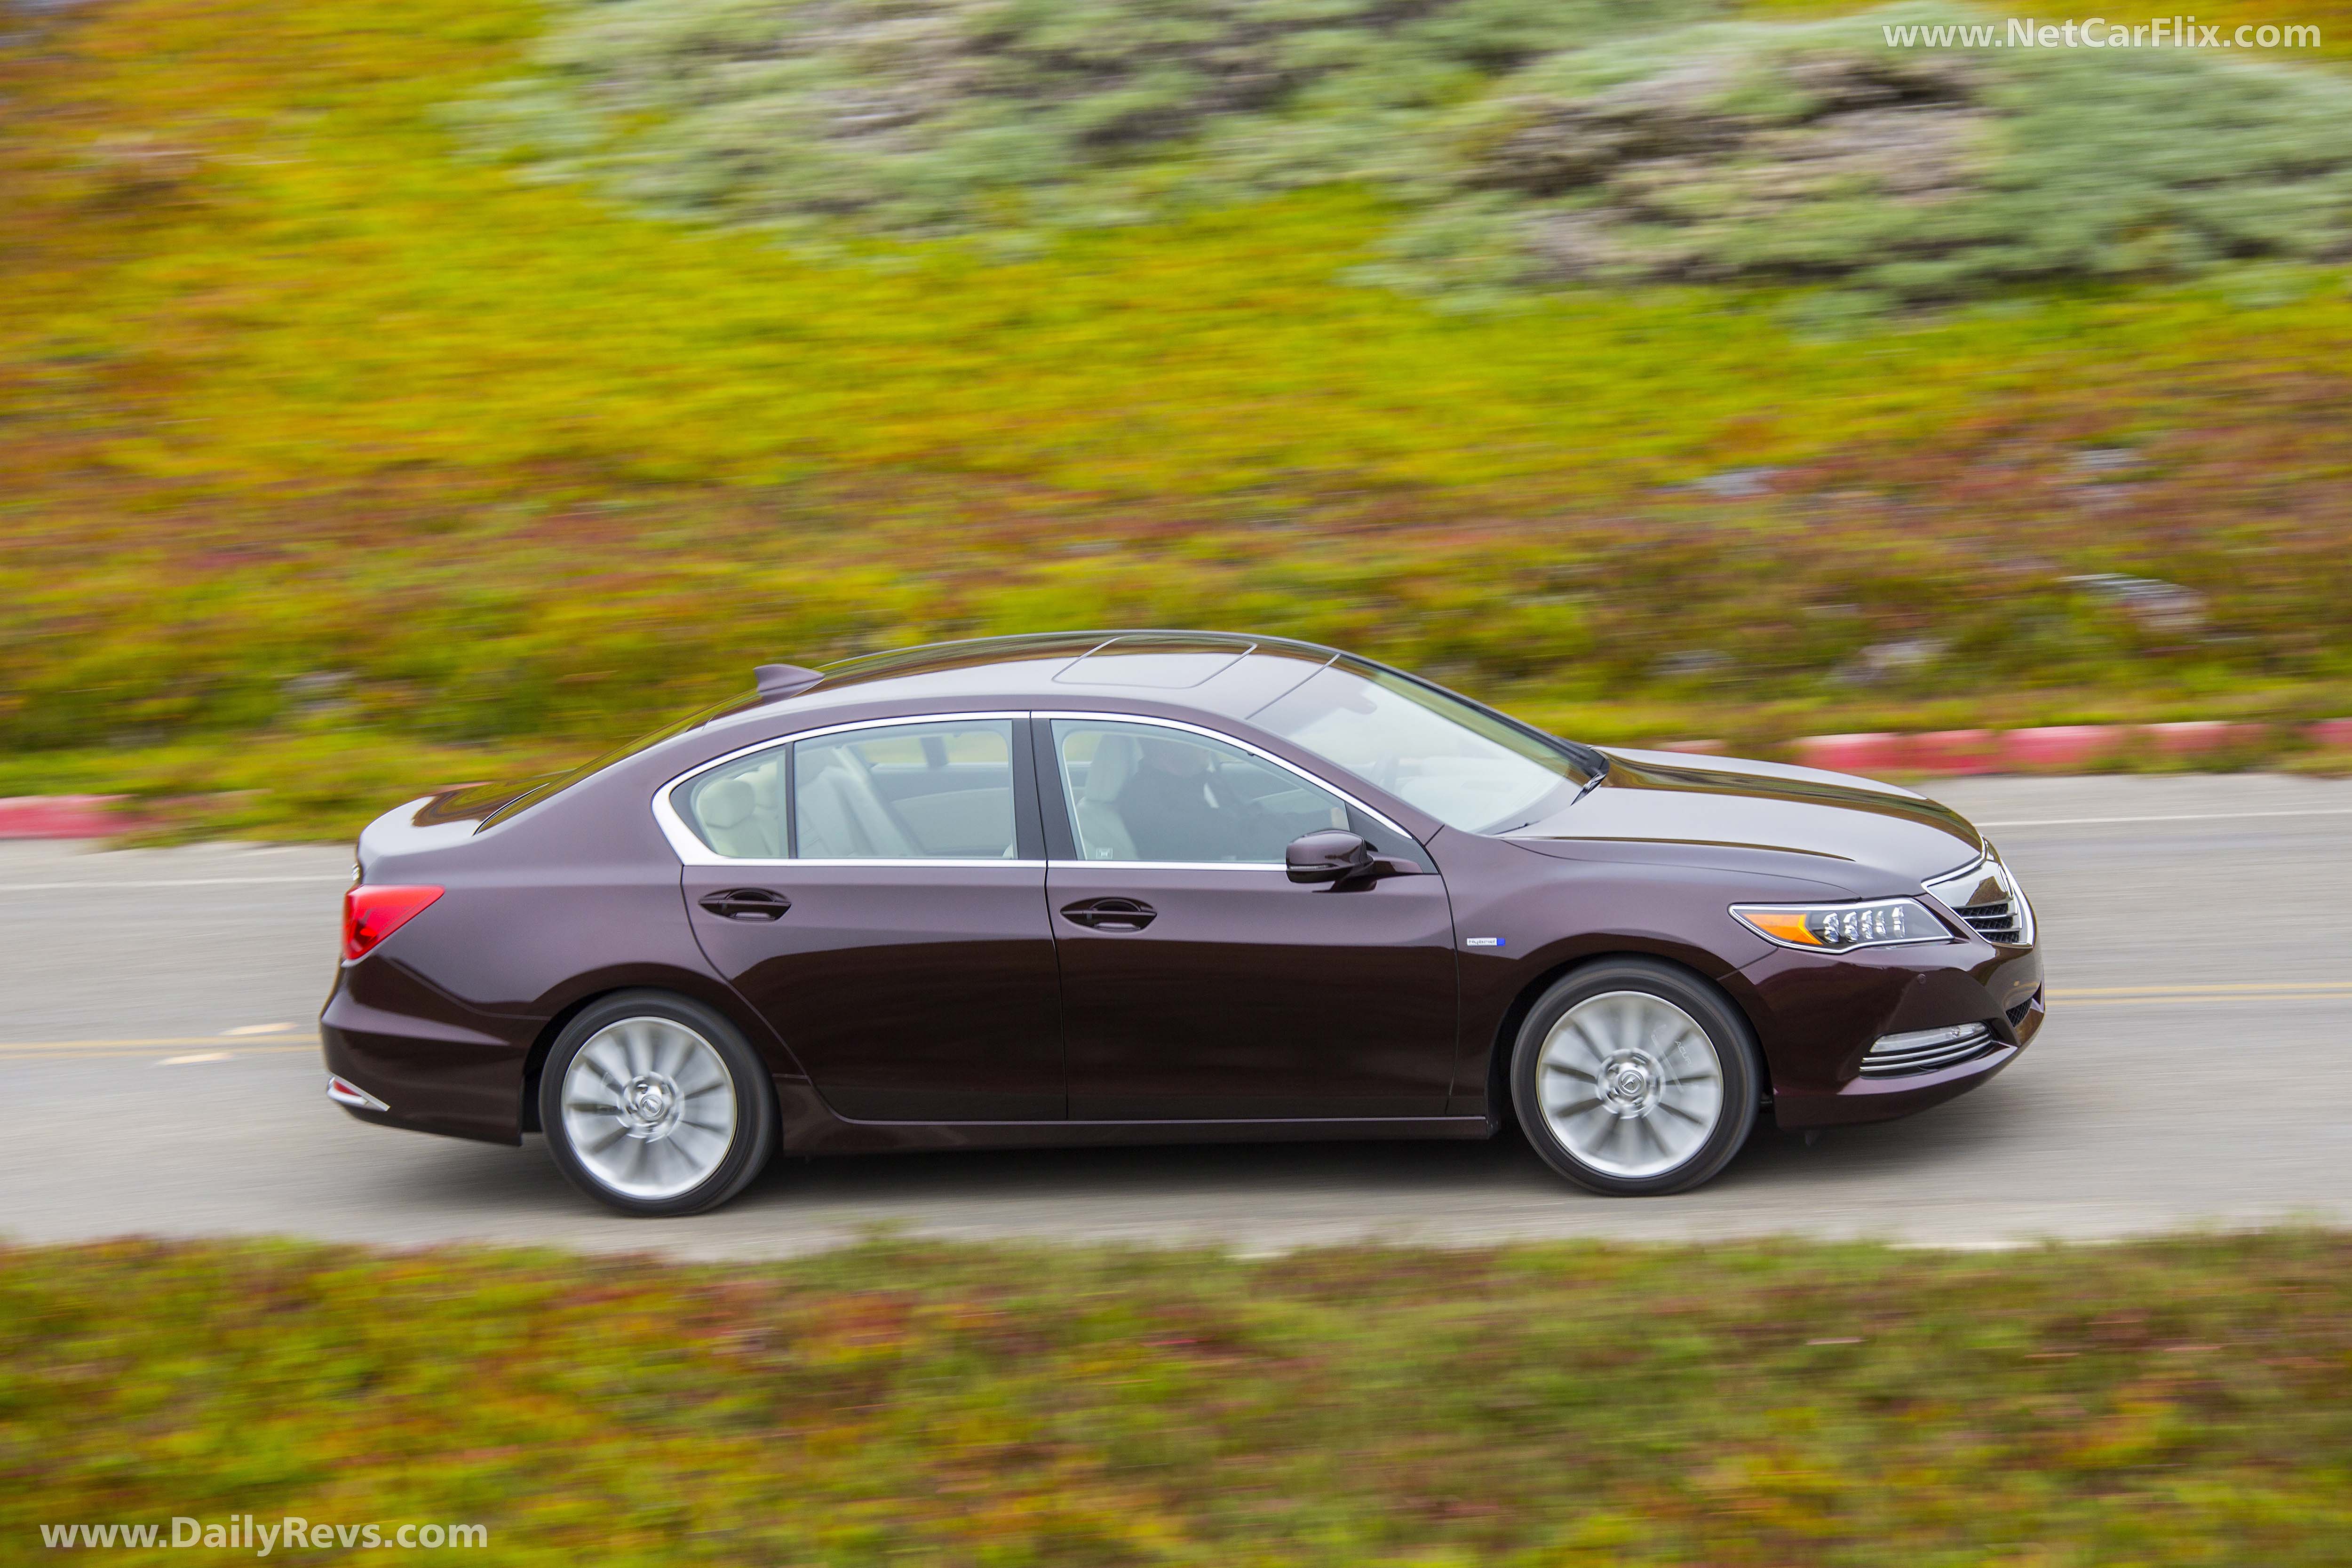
1836	928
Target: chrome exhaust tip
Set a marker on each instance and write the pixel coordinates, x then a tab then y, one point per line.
344	1091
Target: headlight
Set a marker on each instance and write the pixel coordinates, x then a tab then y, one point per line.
1837	928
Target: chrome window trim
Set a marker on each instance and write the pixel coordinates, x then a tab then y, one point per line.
898	863
690	850
1237	743
1174	864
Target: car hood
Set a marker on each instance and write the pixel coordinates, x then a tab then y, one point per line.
1667	797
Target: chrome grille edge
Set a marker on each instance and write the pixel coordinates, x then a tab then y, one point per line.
1924	1051
1988	899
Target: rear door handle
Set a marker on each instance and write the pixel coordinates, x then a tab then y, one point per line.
747	904
1110	914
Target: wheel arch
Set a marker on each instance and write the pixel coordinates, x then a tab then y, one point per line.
693	988
1499	1101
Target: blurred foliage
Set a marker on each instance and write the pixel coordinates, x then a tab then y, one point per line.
321	436
2153	1404
1812	151
924	117
1577	138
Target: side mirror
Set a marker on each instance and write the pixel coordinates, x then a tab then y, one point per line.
1333	855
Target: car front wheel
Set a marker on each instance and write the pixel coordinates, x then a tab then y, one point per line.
1633	1077
655	1105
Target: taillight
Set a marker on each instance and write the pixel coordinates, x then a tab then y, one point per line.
370	914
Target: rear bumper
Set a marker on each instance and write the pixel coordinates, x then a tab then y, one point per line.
435	1071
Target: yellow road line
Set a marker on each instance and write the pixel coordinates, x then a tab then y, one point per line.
171	1042
9	1056
2266	998
2250	988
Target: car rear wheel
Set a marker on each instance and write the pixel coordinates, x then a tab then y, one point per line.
655	1105
1633	1076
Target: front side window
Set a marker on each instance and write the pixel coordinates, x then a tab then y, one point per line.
1142	792
1462	766
894	792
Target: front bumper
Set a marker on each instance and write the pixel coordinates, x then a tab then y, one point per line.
1817	1015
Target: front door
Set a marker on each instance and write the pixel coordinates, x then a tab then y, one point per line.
1198	981
878	894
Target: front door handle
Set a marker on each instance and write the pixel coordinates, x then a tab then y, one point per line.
747	904
1110	914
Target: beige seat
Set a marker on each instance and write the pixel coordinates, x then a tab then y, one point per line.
732	823
842	815
1102	832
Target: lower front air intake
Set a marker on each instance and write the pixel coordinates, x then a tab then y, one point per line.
1924	1050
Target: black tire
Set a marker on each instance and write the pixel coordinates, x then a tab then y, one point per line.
752	1138
1734	1045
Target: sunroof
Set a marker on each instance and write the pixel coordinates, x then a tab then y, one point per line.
1169	664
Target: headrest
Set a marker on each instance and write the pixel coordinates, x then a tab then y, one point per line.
724	804
1116	756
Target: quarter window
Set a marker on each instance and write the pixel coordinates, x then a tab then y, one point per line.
1140	792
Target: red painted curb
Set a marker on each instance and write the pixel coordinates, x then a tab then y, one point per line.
2056	748
2059	747
1957	751
2197	737
58	817
1854	753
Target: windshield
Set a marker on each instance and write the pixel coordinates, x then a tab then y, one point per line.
1463	765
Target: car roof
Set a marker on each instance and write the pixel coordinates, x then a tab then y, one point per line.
1232	674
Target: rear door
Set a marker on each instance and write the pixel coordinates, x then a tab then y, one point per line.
876	893
1198	981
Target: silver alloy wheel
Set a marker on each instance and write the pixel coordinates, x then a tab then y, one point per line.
649	1107
1630	1084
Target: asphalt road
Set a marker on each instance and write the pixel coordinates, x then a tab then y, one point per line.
162	1078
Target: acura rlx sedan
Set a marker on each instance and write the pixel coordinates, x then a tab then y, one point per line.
1157	887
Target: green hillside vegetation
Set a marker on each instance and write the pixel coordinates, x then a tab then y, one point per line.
1549	140
2171	1403
345	460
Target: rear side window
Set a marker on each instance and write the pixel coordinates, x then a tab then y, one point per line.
903	791
894	792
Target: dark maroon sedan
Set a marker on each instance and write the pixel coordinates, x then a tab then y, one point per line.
1159	887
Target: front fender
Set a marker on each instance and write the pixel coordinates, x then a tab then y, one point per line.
1549	912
